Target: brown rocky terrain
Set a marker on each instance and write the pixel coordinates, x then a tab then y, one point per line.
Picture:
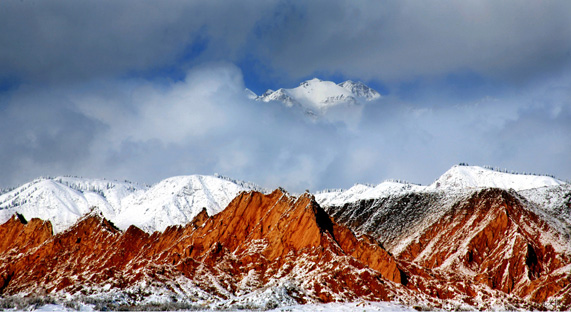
485	246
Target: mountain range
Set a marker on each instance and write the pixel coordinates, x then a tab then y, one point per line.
476	238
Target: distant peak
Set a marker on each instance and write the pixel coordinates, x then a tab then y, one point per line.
318	97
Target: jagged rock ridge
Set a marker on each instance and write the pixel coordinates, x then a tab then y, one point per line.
258	242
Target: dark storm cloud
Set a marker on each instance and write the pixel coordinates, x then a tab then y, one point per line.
372	40
64	40
393	40
42	134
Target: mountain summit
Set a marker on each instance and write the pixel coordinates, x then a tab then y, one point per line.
318	97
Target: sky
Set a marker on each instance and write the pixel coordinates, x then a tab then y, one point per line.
145	90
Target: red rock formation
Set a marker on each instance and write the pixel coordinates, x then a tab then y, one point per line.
19	237
492	240
272	236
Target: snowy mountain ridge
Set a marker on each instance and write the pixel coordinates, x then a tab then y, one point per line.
176	200
463	176
265	250
457	179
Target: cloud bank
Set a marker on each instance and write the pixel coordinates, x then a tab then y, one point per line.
206	124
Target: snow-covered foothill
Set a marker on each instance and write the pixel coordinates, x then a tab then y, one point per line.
173	201
467	177
362	192
177	200
63	200
549	194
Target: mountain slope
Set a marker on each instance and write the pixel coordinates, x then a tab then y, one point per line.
177	200
268	250
456	180
463	177
487	243
476	237
63	200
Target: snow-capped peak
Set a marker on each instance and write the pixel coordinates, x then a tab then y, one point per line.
178	200
462	177
317	97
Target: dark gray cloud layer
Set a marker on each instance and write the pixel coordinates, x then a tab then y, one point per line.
384	40
145	90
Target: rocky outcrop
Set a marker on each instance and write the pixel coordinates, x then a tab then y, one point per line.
19	237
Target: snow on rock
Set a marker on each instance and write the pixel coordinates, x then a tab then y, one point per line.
359	89
364	306
544	190
176	200
465	177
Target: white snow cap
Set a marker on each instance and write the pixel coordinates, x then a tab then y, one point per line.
177	200
362	192
458	178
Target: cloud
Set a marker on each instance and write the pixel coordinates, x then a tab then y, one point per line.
403	40
146	131
41	134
